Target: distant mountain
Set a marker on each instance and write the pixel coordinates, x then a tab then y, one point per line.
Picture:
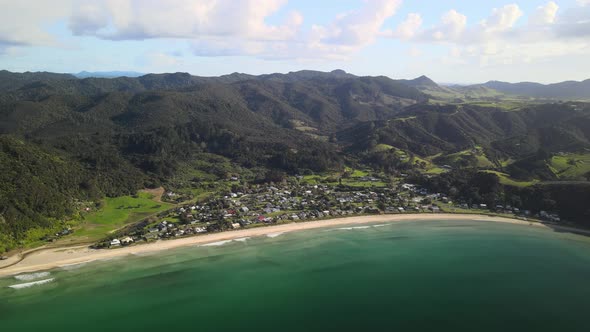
569	90
421	82
108	74
433	89
428	130
563	90
320	100
308	75
10	80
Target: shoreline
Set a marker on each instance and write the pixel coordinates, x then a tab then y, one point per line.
51	258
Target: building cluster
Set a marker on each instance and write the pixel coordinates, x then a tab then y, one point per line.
272	204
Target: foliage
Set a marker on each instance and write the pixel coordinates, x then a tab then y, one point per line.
67	142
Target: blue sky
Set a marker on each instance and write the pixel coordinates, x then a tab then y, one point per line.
455	41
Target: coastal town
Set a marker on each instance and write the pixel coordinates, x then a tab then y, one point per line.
249	206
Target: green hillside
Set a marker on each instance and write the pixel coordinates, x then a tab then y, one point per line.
69	144
571	165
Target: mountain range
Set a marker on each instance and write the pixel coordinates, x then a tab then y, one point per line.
65	140
107	74
134	81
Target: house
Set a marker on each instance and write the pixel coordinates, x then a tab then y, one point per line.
126	240
200	230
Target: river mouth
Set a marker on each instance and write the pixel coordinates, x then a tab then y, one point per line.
447	275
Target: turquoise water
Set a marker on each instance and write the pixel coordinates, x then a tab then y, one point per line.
439	275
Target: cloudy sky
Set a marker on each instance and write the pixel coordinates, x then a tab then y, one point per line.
461	41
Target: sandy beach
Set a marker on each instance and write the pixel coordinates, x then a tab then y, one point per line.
45	259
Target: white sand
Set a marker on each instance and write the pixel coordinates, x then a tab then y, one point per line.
46	259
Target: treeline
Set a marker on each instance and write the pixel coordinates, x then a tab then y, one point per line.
41	184
569	199
37	190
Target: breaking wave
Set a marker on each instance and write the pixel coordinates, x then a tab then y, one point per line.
32	276
353	228
31	284
216	244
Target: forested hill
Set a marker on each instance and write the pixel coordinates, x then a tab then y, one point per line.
429	130
65	140
562	90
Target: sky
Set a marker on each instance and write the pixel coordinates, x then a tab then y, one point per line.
451	41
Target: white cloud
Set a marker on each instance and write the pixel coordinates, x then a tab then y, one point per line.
266	29
453	24
502	19
451	27
346	34
138	20
499	39
24	22
407	29
358	27
230	27
544	14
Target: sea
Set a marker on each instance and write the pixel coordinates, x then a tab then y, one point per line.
442	275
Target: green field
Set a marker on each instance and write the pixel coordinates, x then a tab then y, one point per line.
506	180
470	157
382	148
117	212
570	166
352	179
435	170
428	166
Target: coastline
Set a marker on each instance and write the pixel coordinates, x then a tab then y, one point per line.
46	259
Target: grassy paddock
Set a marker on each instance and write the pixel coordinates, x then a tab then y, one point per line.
117	212
570	166
506	180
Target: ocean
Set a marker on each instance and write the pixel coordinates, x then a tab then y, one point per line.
430	275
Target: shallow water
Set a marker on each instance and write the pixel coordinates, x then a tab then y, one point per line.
443	275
